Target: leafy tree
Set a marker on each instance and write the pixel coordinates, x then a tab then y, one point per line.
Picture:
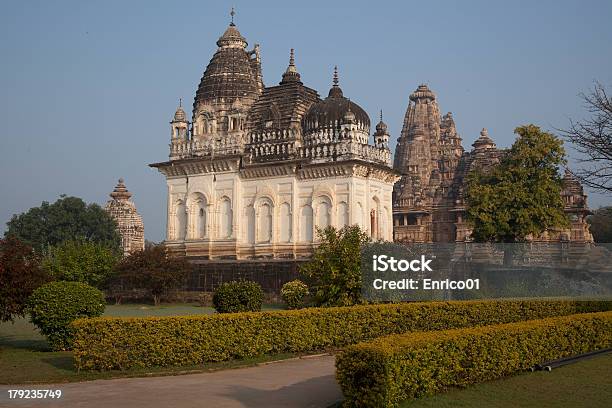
20	275
335	268
601	224
592	139
152	269
81	261
520	196
69	218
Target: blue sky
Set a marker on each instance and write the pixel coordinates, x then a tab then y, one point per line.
87	88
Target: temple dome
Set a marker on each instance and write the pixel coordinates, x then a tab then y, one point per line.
381	127
335	110
230	74
180	115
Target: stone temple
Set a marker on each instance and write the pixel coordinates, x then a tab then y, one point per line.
428	204
123	211
259	169
255	169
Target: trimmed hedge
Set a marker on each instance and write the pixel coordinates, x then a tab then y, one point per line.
121	343
390	369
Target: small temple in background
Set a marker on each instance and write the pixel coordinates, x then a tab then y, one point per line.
129	222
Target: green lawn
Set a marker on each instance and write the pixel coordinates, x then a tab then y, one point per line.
584	384
25	355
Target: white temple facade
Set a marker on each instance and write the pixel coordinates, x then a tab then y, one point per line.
258	169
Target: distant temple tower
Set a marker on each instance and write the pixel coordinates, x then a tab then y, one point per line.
123	210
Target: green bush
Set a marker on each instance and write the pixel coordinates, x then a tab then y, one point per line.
388	370
52	307
334	272
242	296
109	343
81	261
293	293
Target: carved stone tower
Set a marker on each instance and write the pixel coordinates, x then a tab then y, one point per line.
123	211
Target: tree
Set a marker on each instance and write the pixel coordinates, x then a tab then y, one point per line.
335	267
152	269
20	275
520	197
592	138
68	218
601	224
81	261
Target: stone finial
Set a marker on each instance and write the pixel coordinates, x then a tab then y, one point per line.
120	192
291	74
335	79
232	14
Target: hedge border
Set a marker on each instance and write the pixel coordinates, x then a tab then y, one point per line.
121	343
391	369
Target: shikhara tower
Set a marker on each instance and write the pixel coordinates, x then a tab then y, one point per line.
129	222
258	169
428	203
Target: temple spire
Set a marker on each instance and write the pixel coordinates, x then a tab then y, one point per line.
335	91
291	74
232	14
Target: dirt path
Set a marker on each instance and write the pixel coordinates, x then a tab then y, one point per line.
306	382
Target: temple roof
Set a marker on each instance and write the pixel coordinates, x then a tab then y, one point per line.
334	109
229	74
286	103
484	141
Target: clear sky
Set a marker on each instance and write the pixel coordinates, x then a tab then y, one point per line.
87	88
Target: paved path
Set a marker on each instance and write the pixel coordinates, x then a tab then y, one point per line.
306	382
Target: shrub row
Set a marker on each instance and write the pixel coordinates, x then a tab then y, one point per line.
120	343
390	369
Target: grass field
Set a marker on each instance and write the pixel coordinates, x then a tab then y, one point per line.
25	356
584	384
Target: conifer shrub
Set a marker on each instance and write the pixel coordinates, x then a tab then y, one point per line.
238	296
53	306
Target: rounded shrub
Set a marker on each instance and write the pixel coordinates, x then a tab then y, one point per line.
242	296
52	307
293	293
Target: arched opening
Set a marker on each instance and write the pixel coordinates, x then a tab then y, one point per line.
285	222
201	224
359	216
250	224
323	214
180	221
373	225
265	223
343	215
306	224
226	218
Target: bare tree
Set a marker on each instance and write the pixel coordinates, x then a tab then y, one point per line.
592	138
